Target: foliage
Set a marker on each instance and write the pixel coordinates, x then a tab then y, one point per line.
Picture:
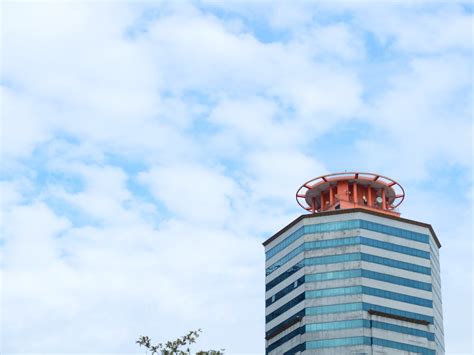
175	347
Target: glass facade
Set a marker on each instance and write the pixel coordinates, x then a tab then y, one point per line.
285	291
343	324
279	311
333	243
334	308
347	324
397	312
351	290
286	323
351	341
396	264
331	259
318	344
345	225
404	330
330	343
357	306
313	304
402	346
402	281
283	276
284	339
348	274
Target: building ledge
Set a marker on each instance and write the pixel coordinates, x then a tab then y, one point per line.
352	210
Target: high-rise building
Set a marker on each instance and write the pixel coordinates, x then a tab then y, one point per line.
352	276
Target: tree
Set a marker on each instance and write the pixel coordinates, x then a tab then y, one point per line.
175	347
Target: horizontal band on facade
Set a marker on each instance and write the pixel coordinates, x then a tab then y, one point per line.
372	291
295	318
350	324
340	342
348	274
346	225
392	316
330	343
349	290
285	325
283	276
341	258
357	240
351	307
284	308
349	211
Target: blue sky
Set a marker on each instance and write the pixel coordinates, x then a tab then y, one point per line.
149	148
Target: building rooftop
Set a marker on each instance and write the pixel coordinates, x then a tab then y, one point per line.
351	190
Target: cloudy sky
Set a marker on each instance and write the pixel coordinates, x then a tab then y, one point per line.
149	148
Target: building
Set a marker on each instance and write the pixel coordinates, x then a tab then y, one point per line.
352	276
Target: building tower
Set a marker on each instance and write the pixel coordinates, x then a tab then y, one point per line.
352	276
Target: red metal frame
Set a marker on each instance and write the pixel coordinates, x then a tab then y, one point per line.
325	185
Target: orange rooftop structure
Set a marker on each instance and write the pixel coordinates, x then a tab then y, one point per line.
351	190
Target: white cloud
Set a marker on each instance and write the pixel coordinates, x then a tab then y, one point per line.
332	42
278	173
416	30
413	115
251	124
24	128
121	278
38	248
111	91
193	192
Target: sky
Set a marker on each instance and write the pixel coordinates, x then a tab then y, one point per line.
149	148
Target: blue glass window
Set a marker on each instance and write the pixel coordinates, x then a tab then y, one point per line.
295	268
397	232
395	263
352	273
404	330
345	225
290	304
333	308
397	312
331	292
283	244
332	259
395	247
351	290
397	296
330	343
358	306
332	243
320	244
297	349
340	291
345	324
285	259
295	317
402	346
285	338
333	275
396	280
284	291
